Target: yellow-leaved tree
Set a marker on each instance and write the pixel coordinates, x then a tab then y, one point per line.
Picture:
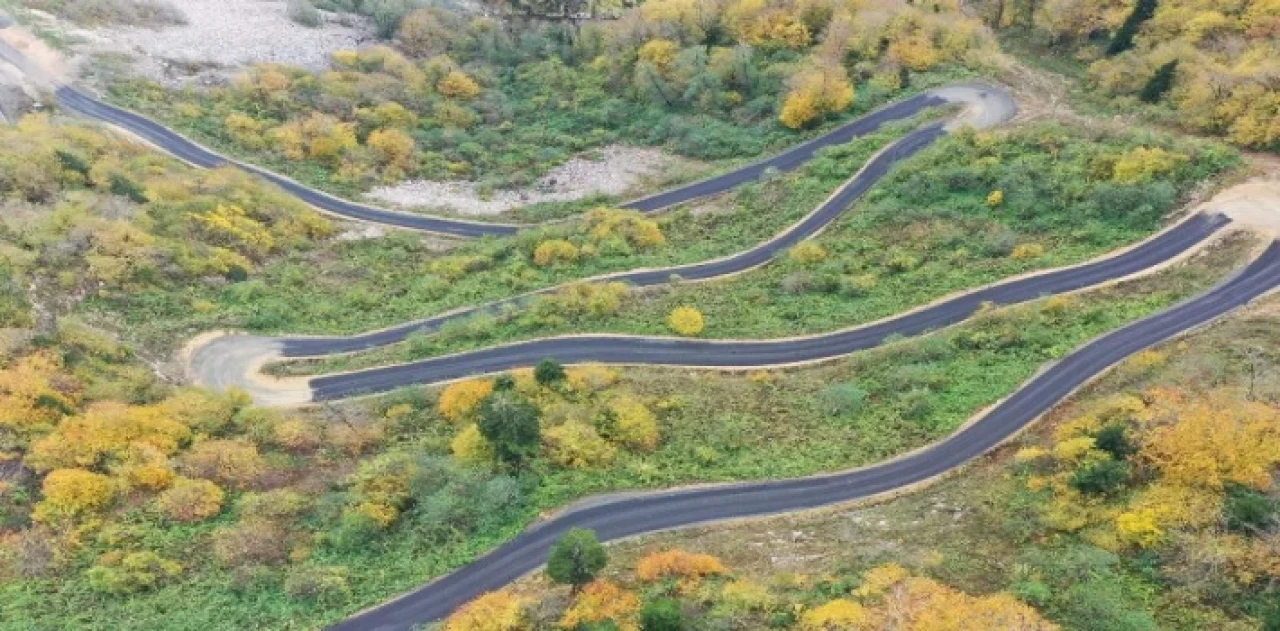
603	601
1197	448
836	615
190	500
459	85
104	435
686	321
460	399
632	423
820	89
395	151
34	394
72	493
495	611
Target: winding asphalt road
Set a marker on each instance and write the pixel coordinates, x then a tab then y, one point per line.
664	510
623	349
875	169
234	360
617	518
83	103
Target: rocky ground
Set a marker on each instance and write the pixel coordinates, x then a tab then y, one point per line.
218	38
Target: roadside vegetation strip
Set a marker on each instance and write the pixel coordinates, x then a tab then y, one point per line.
632	350
665	510
79	101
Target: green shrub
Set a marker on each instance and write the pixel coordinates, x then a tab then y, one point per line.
119	573
125	12
322	585
549	372
916	403
127	188
842	399
664	614
1097	477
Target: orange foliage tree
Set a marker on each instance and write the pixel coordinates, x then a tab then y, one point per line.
678	564
495	611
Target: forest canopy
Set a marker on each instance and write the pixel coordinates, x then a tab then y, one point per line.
1214	63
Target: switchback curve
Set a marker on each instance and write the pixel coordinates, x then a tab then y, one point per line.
223	361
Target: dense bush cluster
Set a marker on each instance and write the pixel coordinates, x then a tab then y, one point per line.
85	214
1188	478
672	590
578	421
1211	63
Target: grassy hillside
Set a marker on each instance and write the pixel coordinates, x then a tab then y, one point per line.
1016	524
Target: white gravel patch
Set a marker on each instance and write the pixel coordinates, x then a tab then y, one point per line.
618	171
235	33
1254	204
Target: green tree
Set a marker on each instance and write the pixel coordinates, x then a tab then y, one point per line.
1248	510
1160	83
1114	439
663	614
510	423
1123	39
1098	477
576	558
1271	616
549	372
127	188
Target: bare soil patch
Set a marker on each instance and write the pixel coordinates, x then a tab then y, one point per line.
615	170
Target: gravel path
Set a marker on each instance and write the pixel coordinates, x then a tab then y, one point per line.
619	170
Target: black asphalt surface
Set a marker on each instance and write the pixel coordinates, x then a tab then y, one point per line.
871	173
81	102
789	159
664	510
615	349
